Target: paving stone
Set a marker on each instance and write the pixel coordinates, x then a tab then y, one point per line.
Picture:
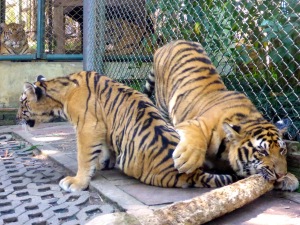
62	213
50	197
38	212
24	212
72	222
16	183
24	199
5	138
92	210
157	196
8	205
4	193
13	173
44	175
30	194
44	187
75	198
27	151
44	219
2	167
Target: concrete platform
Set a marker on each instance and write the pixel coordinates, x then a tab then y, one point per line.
58	141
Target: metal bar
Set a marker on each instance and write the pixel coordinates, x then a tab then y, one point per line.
45	56
2	11
88	34
40	29
17	57
128	58
63	56
93	47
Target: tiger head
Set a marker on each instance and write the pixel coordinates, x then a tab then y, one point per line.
36	106
259	151
13	36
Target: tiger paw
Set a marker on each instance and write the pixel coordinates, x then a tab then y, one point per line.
188	155
72	184
287	183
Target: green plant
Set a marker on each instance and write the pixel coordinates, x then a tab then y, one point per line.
258	39
272	100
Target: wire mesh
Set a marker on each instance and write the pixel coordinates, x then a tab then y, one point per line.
64	26
253	43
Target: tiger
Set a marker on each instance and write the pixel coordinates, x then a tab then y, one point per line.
122	37
114	124
216	126
13	39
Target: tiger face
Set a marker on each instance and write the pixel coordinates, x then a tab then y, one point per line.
36	107
13	39
259	151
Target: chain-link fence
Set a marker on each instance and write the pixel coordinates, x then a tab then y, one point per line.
64	26
255	44
61	26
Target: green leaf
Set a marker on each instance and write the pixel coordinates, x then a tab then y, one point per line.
265	23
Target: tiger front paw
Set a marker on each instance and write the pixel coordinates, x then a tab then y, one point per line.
72	184
287	183
188	155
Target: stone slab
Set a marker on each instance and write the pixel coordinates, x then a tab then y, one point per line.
152	196
267	210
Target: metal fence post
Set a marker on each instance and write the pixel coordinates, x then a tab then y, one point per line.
2	11
40	49
93	19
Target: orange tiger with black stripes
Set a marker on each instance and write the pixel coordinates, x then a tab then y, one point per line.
113	122
13	39
217	127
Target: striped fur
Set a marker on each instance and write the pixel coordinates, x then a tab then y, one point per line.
13	39
217	127
112	121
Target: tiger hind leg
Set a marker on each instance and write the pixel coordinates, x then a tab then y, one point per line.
209	180
190	152
200	178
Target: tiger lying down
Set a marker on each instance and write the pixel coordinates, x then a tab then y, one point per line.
217	127
113	122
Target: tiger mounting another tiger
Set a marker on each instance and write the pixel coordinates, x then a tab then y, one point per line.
13	39
217	127
113	122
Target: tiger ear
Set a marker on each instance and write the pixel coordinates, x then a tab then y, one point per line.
2	25
283	125
40	78
232	132
29	91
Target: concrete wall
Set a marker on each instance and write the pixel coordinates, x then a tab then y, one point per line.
14	74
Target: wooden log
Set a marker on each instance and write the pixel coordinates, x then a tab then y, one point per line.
215	203
198	210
